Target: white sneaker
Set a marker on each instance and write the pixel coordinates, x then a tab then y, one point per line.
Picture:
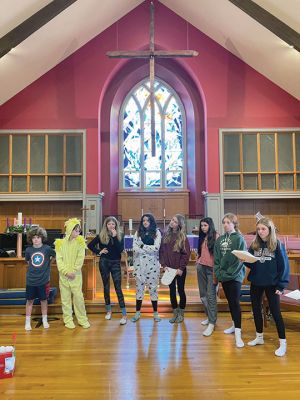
204	322
46	325
209	330
238	338
280	352
229	330
28	327
108	316
123	320
258	340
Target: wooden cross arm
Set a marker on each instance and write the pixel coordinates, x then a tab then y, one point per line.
155	53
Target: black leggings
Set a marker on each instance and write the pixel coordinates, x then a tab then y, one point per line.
180	287
256	293
232	290
112	267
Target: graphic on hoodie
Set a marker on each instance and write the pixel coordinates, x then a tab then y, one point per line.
264	255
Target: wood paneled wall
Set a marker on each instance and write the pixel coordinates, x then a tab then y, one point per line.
48	214
163	205
285	213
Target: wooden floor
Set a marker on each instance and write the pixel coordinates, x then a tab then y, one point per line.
149	360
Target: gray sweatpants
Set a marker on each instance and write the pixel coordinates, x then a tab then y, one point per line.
207	292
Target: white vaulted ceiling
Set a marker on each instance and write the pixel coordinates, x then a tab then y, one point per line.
83	20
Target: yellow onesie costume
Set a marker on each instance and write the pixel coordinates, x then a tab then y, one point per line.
70	253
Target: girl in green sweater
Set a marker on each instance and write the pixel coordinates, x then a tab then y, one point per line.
230	271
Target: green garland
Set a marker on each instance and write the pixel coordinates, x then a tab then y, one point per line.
16	229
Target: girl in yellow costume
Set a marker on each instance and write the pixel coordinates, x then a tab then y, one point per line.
70	253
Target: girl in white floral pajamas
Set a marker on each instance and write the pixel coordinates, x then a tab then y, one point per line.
146	244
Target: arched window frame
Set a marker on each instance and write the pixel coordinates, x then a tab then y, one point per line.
158	83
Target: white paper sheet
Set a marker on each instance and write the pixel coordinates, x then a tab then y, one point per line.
168	276
245	256
295	294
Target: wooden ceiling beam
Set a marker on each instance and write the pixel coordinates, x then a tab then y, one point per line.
269	21
32	24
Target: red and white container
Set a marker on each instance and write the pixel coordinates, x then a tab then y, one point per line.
7	361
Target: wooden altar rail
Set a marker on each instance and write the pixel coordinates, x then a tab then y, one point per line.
13	275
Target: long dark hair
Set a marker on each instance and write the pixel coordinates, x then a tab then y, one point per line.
151	231
210	235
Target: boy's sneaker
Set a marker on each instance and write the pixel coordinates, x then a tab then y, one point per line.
28	326
46	325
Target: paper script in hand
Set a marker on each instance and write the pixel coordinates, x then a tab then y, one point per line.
245	256
295	294
168	276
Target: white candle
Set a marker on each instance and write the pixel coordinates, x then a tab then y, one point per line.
142	211
130	224
19	218
164	213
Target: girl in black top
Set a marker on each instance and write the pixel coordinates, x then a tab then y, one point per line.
109	246
269	274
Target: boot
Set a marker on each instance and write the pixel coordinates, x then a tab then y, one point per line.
180	317
258	340
156	317
280	352
175	315
136	316
238	337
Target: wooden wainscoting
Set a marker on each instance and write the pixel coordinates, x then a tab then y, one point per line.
285	213
162	204
48	214
13	275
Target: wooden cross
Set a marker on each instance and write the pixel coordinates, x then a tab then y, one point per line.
152	54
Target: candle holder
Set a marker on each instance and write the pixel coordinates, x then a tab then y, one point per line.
19	245
130	226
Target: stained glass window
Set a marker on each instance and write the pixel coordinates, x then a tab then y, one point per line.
140	169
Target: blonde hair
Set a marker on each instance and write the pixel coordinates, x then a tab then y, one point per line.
181	234
233	219
271	239
104	234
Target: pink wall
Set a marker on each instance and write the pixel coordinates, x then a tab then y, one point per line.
79	92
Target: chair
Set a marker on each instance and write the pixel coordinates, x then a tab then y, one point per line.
293	245
286	302
192	225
